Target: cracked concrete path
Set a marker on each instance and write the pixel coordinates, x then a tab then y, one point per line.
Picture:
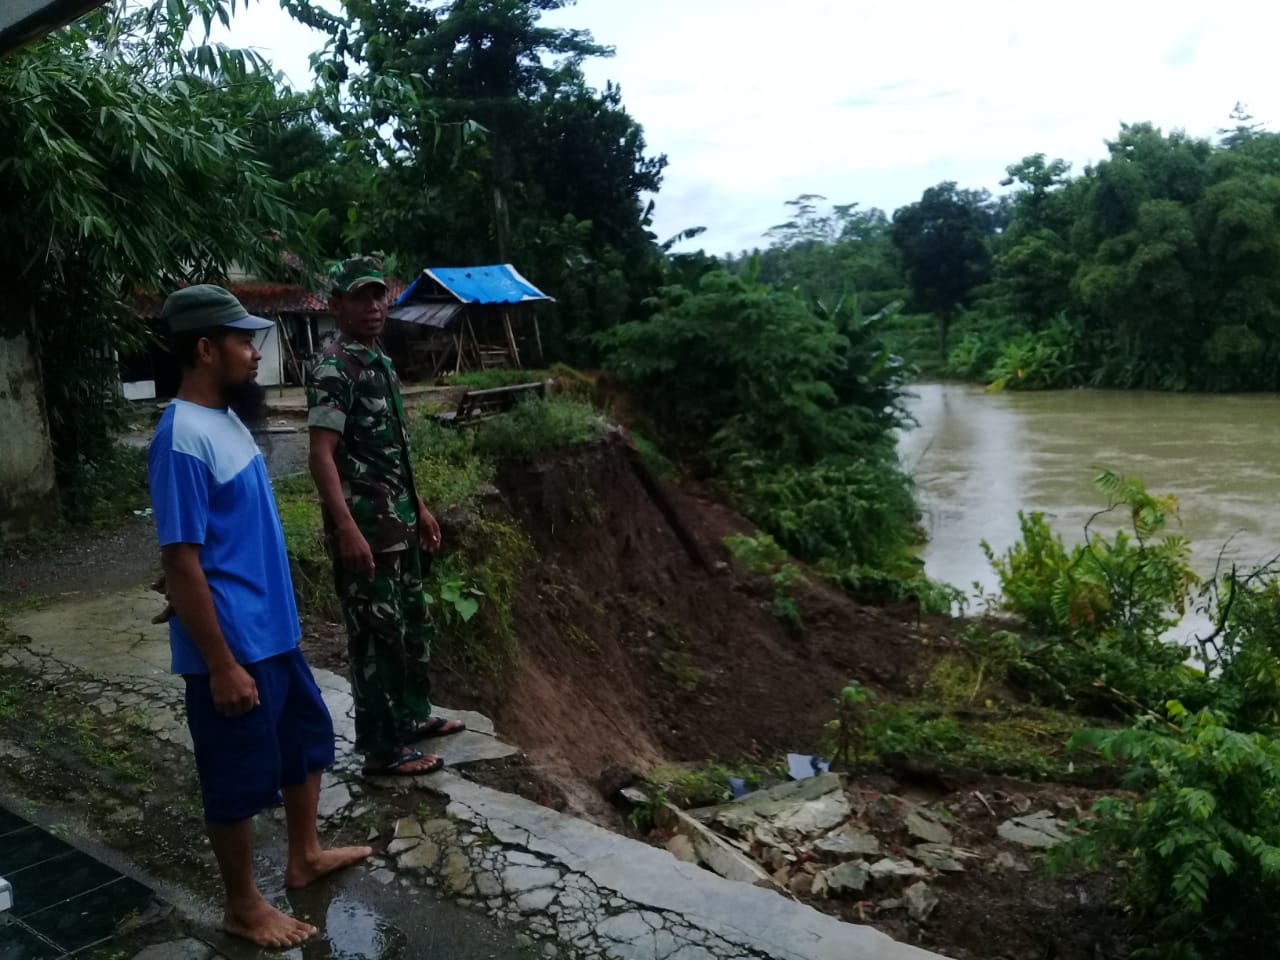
547	882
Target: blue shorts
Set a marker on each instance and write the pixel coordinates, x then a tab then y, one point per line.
244	761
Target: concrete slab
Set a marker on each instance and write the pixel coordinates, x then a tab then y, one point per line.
574	889
656	892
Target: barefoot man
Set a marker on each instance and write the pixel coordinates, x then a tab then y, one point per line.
256	716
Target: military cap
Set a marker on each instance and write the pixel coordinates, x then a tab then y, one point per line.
357	271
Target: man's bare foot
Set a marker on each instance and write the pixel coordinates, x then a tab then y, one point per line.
261	923
322	864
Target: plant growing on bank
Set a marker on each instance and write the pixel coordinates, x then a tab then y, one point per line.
762	556
1200	845
791	405
540	423
1096	614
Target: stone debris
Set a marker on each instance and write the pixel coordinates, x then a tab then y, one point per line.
1038	830
849	842
890	867
926	829
800	809
920	901
711	850
937	856
851	877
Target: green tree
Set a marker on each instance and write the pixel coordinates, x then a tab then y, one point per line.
117	176
547	172
943	241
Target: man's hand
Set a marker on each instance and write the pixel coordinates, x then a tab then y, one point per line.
234	692
354	551
428	529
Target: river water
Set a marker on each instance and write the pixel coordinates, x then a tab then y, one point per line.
978	458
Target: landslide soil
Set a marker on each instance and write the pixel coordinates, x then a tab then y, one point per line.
642	643
640	647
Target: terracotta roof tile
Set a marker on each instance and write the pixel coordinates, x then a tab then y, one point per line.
261	297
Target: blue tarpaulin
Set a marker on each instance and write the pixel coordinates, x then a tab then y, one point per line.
500	283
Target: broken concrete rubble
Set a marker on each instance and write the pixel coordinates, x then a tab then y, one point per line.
926	829
920	901
890	867
941	857
1038	830
790	811
849	842
851	877
711	850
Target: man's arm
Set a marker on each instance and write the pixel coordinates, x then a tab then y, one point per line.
353	548
234	691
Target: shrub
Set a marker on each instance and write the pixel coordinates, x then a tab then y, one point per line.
540	423
1097	612
106	488
762	556
1200	848
497	377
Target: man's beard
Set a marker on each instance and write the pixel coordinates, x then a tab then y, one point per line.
248	401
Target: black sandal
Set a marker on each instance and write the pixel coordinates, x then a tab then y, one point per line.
434	727
395	767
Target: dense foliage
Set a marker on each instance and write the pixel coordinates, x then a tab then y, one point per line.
117	174
791	404
1155	267
1198	839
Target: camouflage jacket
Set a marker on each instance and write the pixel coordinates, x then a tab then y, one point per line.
355	392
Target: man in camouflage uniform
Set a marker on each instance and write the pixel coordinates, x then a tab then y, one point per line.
375	526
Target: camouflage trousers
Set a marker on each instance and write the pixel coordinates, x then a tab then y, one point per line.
388	645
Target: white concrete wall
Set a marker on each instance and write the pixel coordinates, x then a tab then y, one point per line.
28	496
270	370
138	390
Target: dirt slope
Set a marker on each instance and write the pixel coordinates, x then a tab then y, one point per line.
636	648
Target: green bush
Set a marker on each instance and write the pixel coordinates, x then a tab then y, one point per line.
762	556
540	423
1044	360
845	511
1200	845
1242	654
447	469
497	377
107	488
1097	613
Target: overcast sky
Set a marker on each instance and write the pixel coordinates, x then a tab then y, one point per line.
756	102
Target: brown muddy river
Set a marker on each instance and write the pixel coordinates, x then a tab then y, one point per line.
979	458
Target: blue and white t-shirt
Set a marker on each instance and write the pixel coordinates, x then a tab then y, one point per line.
209	486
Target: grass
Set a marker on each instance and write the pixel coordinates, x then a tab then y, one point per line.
488	379
541	423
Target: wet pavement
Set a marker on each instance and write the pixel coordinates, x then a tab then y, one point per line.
459	870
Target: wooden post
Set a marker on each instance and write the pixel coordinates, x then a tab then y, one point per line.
511	338
475	342
537	336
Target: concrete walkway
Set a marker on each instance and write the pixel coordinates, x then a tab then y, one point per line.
543	880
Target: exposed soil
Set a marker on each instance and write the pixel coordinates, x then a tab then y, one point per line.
641	644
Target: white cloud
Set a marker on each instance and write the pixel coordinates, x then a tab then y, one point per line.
755	102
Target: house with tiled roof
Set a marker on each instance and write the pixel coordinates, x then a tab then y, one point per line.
303	325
